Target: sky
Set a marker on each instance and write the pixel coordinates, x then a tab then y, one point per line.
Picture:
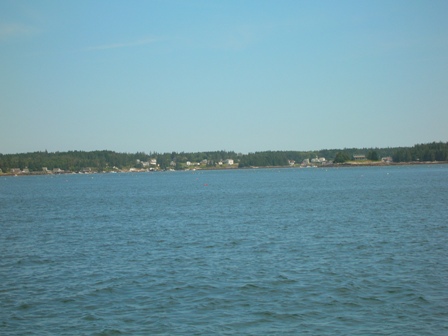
200	75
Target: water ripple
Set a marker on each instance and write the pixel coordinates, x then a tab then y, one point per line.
255	253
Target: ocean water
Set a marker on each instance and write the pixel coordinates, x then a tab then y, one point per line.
340	251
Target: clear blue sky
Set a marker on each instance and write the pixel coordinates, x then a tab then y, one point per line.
208	75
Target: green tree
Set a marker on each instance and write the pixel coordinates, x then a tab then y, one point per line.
341	157
373	156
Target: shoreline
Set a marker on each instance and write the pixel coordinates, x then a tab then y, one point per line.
351	164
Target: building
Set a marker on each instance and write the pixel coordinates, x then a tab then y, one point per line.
229	161
318	160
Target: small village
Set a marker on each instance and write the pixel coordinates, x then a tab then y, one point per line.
152	166
104	161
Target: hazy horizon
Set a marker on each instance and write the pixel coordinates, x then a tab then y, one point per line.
164	76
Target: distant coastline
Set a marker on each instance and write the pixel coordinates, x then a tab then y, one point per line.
338	165
80	162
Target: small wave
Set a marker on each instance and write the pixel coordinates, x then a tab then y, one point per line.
89	317
250	286
372	299
107	332
25	306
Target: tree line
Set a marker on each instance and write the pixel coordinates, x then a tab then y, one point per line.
436	151
105	160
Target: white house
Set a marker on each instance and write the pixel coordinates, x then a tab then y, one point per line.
318	160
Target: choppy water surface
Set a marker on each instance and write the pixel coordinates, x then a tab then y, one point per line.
350	251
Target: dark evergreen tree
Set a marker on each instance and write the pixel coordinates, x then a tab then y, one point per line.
341	157
372	155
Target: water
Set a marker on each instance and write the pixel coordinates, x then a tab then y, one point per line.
349	251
